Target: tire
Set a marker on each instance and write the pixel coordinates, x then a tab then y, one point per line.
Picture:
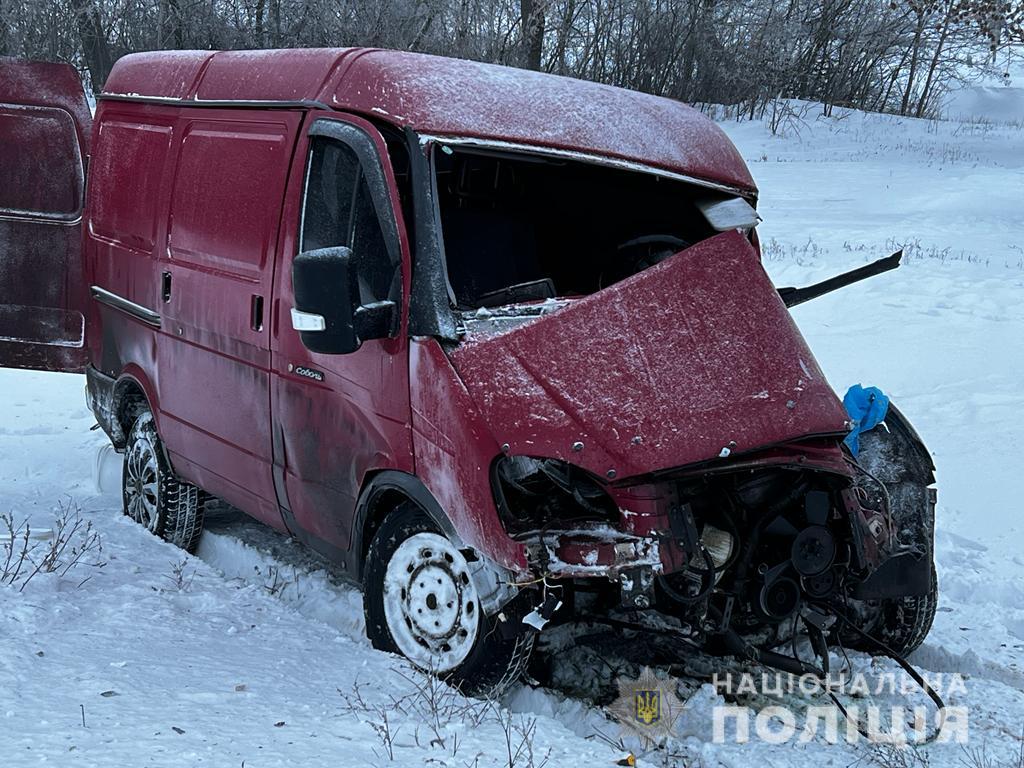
152	495
896	456
900	623
420	603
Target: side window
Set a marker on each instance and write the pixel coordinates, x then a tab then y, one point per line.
339	211
40	162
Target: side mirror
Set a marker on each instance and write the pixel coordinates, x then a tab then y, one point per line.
327	312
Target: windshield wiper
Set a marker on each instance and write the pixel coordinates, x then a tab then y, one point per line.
793	296
534	290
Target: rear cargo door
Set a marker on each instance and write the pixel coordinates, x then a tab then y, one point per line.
45	124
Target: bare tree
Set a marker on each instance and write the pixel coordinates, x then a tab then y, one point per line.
95	46
888	55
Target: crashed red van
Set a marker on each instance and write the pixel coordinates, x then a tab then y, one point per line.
497	343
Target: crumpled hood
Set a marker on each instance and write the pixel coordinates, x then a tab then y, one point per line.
689	361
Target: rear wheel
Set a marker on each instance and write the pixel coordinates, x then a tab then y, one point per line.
153	495
420	601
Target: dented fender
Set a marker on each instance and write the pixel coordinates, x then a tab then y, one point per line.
454	450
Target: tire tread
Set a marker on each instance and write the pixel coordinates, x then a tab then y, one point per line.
180	504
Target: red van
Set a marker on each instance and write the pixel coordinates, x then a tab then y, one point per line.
497	343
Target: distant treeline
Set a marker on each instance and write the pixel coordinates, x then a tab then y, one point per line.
883	55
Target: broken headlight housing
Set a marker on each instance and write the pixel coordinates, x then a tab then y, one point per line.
532	494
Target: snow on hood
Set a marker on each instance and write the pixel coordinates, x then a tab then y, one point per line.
694	359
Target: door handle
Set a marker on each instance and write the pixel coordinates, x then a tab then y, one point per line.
165	287
256	313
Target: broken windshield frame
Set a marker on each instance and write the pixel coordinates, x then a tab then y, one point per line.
524	226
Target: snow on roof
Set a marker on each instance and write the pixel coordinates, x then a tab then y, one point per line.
450	97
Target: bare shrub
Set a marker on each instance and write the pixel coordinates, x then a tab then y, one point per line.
435	706
25	553
383	730
180	579
519	731
978	757
17	547
786	116
276	582
882	755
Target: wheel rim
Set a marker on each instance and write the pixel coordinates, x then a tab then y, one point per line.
141	484
430	603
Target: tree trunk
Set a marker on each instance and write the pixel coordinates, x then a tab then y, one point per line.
275	23
936	58
892	82
174	9
4	34
915	54
94	43
258	32
563	37
531	20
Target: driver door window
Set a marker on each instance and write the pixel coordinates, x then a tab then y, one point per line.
338	211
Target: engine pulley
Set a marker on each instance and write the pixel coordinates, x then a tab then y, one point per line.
813	550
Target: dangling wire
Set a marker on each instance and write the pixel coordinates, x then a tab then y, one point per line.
907	667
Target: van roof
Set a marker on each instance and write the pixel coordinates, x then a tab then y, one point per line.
449	97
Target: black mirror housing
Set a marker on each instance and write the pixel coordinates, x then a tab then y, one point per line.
328	313
327	286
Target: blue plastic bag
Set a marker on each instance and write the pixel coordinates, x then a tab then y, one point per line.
867	407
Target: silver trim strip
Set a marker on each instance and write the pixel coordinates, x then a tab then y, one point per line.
41	219
148	316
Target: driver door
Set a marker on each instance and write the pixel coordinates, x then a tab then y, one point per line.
45	126
339	417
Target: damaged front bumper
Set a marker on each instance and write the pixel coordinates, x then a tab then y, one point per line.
666	546
631	561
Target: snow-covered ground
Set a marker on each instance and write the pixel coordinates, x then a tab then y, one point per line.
997	97
251	653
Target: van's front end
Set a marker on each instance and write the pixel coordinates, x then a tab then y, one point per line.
626	423
608	413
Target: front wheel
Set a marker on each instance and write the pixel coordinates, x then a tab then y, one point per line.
420	601
900	623
895	455
153	495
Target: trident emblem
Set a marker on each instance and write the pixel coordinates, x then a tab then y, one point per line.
648	706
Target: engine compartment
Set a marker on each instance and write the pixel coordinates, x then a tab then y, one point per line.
738	560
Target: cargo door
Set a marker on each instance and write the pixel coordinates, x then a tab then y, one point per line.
214	352
45	124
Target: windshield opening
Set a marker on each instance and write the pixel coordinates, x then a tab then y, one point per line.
521	228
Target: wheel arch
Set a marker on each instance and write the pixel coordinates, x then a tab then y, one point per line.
131	391
127	398
382	493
